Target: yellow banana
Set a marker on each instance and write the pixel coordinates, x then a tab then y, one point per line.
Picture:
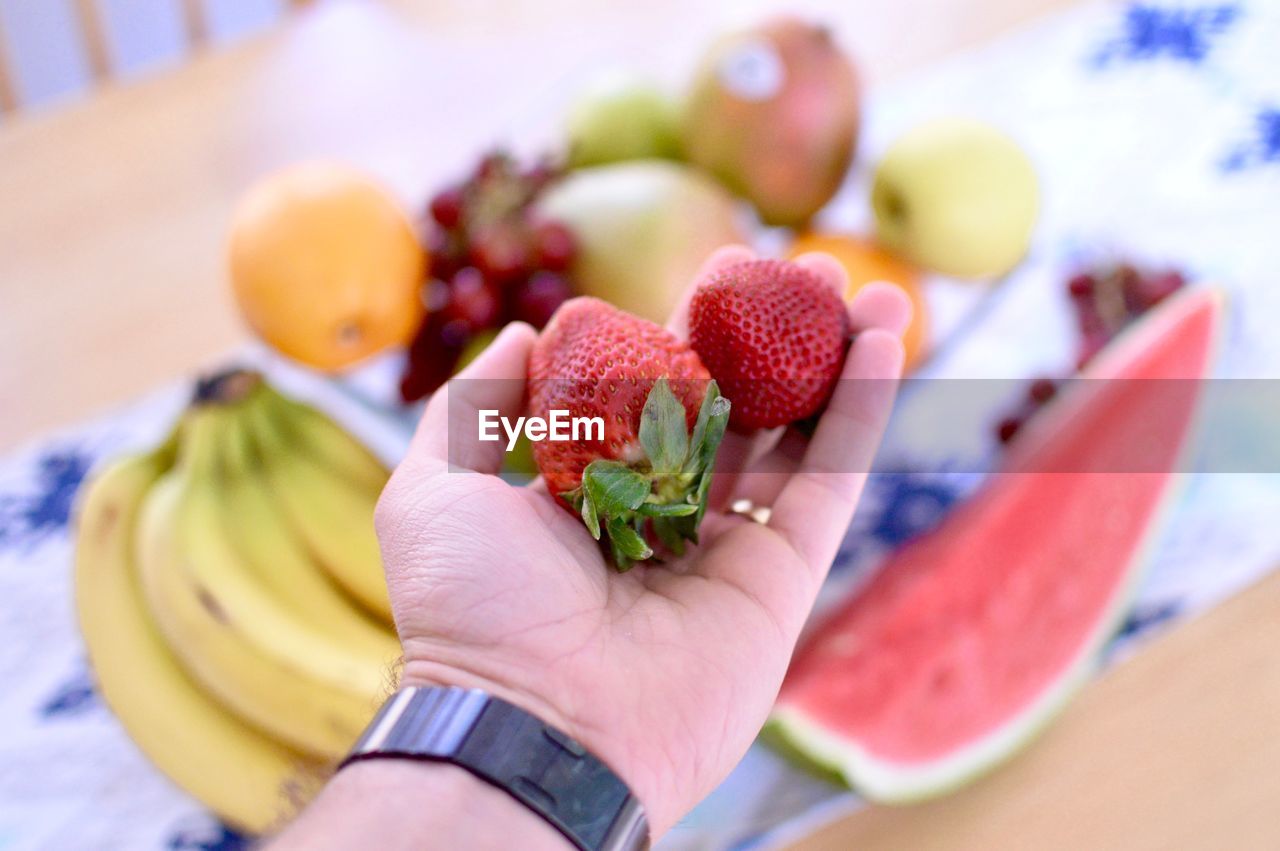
289	680
332	514
310	431
252	519
249	780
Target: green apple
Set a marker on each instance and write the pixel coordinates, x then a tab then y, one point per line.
956	196
621	117
643	229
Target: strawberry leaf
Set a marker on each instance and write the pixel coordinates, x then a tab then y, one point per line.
662	430
717	422
665	496
620	561
704	414
713	419
685	527
673	509
627	541
668	532
591	517
705	450
614	488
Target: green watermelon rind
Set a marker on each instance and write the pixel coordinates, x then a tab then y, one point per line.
828	753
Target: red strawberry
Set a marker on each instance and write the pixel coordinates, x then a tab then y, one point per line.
774	337
650	388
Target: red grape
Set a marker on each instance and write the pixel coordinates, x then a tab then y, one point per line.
1081	286
455	333
539	297
473	300
1041	390
490	261
447	206
1106	299
554	245
442	253
1008	428
500	252
432	356
435	295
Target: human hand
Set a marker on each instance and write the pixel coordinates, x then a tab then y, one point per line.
667	673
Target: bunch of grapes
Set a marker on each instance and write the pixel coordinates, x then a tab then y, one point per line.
492	260
1106	300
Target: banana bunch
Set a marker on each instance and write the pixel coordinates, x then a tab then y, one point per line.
231	594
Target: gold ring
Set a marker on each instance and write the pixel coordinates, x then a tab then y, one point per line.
748	509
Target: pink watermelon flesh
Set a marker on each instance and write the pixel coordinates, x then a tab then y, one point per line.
962	631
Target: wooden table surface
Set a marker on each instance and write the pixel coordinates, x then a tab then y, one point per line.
112	214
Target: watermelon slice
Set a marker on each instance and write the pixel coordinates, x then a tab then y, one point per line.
970	638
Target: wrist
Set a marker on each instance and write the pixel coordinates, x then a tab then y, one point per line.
417	805
418	672
612	751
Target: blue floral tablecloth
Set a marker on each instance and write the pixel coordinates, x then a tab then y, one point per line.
1156	130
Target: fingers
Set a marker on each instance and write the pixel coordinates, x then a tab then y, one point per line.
881	305
721	258
761	483
814	504
875	306
448	433
814	507
739	453
827	268
735	448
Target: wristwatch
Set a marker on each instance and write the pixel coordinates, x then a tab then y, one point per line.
539	766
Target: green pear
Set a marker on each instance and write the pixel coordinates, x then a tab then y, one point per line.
643	229
958	197
620	117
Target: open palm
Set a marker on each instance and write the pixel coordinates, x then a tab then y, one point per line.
665	672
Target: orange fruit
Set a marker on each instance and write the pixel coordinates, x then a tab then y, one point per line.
325	265
864	261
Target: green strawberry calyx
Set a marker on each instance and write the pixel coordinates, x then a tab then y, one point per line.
666	492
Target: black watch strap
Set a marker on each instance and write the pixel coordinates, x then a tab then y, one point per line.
507	747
